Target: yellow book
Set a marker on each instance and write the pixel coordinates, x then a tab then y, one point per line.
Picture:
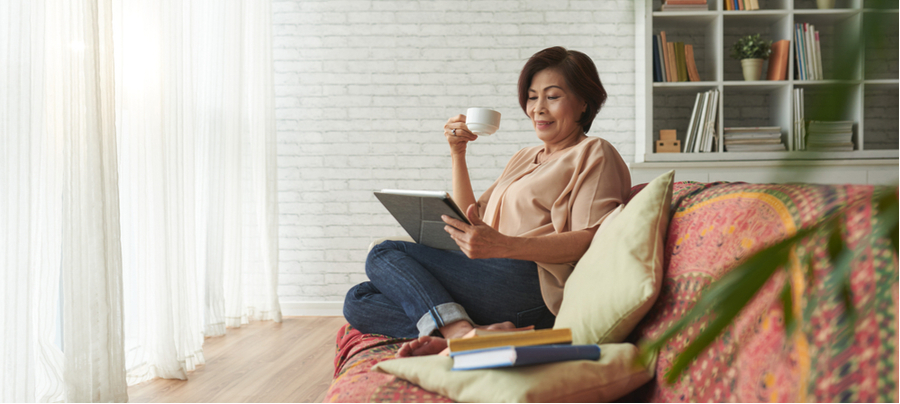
527	338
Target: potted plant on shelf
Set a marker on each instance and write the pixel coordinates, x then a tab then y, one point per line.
751	50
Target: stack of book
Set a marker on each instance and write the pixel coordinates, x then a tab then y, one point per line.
752	139
807	52
830	136
684	5
701	132
741	5
482	349
798	141
673	61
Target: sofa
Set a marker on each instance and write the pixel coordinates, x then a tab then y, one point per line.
713	227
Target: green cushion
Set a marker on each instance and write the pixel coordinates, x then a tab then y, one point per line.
614	375
619	277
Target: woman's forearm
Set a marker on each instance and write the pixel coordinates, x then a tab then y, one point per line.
554	248
462	185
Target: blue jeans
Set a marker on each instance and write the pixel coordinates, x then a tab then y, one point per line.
414	290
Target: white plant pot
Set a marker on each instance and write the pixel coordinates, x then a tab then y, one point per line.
825	4
752	69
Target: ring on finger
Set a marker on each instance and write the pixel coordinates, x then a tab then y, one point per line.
454	132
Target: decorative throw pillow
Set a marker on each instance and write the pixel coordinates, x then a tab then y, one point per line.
619	277
616	373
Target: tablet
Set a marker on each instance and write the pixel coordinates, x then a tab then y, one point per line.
419	213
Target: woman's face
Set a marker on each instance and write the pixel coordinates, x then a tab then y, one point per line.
554	110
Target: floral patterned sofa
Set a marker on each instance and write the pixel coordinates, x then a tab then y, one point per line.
713	227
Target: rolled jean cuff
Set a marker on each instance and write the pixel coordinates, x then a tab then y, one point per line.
440	316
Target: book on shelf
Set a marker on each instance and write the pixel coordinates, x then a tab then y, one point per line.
684	5
667	69
693	74
710	125
657	69
808	52
681	66
526	338
768	138
830	136
751	129
798	140
675	60
662	60
701	132
692	125
752	141
741	5
754	147
673	66
507	356
778	60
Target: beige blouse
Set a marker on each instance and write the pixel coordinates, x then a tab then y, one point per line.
573	189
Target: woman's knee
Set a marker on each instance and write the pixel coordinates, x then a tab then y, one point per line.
353	300
375	261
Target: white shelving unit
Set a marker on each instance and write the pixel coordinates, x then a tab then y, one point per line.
870	88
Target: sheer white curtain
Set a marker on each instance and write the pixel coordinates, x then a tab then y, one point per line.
59	217
137	185
194	102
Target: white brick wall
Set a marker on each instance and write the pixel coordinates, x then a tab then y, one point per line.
363	89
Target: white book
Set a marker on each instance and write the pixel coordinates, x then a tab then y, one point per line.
700	123
711	121
793	135
801	59
819	56
754	147
810	54
813	42
802	119
692	125
774	129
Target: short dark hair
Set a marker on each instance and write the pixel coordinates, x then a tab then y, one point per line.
580	75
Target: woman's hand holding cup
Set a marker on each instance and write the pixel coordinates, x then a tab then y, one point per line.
458	134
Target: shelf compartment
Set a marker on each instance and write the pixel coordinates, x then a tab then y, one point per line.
881	117
739	24
839	35
657	6
751	106
672	110
838	5
701	35
880	34
836	102
880	5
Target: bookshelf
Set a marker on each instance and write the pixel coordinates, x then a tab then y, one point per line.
870	88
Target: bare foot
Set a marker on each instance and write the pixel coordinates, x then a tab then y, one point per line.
422	346
428	345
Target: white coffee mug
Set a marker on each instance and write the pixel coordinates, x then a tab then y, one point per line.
482	121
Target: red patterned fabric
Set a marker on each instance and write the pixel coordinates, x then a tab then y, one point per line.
715	226
356	354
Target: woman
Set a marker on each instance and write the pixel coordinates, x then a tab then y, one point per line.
528	229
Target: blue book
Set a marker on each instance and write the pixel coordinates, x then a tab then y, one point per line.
657	70
523	355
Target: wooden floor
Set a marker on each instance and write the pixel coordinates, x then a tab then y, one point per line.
259	362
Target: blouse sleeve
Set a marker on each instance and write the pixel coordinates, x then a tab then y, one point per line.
602	183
